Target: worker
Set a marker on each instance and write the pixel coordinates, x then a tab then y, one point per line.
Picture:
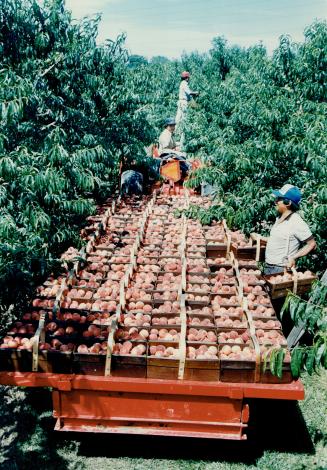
167	142
184	97
290	237
131	179
168	147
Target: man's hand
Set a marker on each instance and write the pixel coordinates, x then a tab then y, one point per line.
291	263
254	235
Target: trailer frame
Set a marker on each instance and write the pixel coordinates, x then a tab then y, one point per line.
122	405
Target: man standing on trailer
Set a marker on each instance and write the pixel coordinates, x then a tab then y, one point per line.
184	97
290	237
168	147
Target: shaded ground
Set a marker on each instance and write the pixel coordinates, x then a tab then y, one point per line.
281	435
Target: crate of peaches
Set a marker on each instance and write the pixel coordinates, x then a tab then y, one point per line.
239	358
129	352
298	282
163	359
244	248
201	362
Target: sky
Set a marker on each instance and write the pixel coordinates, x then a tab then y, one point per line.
171	27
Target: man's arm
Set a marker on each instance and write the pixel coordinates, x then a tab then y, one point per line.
254	236
309	246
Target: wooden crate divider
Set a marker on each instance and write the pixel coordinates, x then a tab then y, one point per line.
224	224
122	297
59	297
295	279
257	372
248	315
187	197
39	335
89	246
183	279
119	313
182	340
77	263
110	345
258	246
229	242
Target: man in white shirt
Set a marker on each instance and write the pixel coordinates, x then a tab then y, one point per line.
168	147
184	97
167	142
288	233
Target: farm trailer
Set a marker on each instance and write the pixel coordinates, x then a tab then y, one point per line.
86	403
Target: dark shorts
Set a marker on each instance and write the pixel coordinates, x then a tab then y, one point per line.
273	269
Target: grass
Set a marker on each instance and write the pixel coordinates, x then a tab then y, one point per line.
281	435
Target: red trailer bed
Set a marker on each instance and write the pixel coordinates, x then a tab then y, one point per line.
154	407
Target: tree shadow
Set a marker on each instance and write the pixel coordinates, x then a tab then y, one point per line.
274	425
27	430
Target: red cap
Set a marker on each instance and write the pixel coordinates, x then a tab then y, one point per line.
185	74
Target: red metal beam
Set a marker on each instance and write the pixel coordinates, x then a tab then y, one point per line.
150	413
291	391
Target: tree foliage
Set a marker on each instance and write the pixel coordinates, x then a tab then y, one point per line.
259	123
312	315
70	110
69	113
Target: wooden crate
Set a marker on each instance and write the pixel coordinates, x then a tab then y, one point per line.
281	289
128	366
89	364
238	371
248	252
14	360
206	370
268	377
48	361
215	250
162	367
55	361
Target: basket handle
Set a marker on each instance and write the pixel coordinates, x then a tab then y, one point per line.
257	253
229	241
183	281
257	371
110	345
35	350
182	342
122	298
295	279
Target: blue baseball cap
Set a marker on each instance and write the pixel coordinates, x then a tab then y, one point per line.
170	122
288	191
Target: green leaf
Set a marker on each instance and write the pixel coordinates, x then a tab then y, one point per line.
310	359
285	306
279	362
297	361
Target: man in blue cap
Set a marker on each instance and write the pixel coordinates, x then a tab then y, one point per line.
290	237
167	142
